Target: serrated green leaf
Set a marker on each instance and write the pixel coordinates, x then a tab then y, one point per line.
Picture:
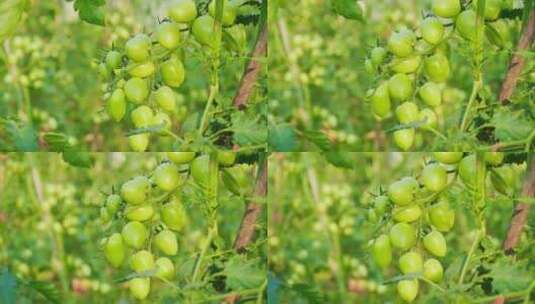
282	138
319	139
340	159
56	141
90	11
510	125
78	159
247	130
510	275
23	137
348	9
243	274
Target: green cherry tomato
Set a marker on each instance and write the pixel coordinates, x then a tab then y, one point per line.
229	12
173	72
134	234
135	191
166	242
142	261
504	179
137	48
203	31
441	216
492	9
408	289
494	158
139	287
142	116
411	262
437	68
139	213
467	171
103	71
380	101
166	177
113	60
428	118
168	35
138	142
238	37
432	30
434	177
402	236
237	179
401	43
423	47
431	94
372	216
382	251
406	65
466	24
400	87
163	120
369	66
435	243
407	112
200	170
136	90
181	158
226	158
404	138
141	70
183	11
117	105
433	270
174	216
113	202
448	158
446	8
165	98
401	192
377	55
165	268
115	250
407	214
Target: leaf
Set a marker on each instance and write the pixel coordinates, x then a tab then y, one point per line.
56	141
8	285
510	275
493	35
247	130
309	292
24	137
282	138
339	159
77	159
510	125
243	274
320	139
90	11
46	290
348	9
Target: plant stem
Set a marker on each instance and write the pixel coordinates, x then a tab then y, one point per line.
208	241
469	256
507	295
436	132
436	286
475	89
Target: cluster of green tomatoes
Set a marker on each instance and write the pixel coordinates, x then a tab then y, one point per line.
144	74
410	53
147	214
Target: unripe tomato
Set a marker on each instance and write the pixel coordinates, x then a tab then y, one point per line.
200	170
435	243
433	270
237	180
165	98
135	190
136	90
400	87
428	117
380	204
166	177
203	31
115	250
446	8
238	38
168	35
406	65
437	68
163	120
142	261
139	213
401	43
174	215
422	47
432	30
404	138
181	158
113	60
137	48
467	171
434	177
402	236
117	105
501	37
113	202
165	268
140	287
141	70
103	71
377	55
138	142
441	216
142	116
411	262
229	12
466	24
431	94
504	179
408	289
401	192
448	158
372	216
173	72
407	112
382	251
183	11
494	158
226	158
492	9
381	101
166	242
369	66
407	214
134	234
